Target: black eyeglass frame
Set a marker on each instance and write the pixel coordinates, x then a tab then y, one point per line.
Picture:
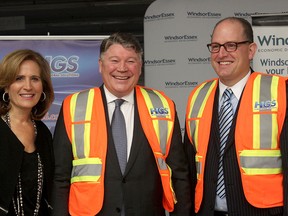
225	46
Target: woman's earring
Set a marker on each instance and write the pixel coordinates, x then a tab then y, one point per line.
4	95
44	96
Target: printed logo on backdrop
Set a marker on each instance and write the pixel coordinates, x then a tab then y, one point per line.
161	16
63	66
272	40
180	38
208	15
180	84
277	66
246	15
272	50
199	60
242	14
159	62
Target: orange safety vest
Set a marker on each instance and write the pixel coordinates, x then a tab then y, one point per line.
84	112
259	123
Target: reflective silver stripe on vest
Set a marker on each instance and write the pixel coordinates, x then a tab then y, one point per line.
266	120
261	162
87	170
156	102
80	114
264	158
84	168
162	164
196	107
198	167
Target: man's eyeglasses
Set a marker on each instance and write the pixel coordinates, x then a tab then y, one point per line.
229	46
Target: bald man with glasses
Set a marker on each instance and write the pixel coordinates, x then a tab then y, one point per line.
236	131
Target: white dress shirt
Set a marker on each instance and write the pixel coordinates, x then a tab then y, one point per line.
127	109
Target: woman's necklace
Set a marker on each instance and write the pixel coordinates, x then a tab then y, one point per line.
18	204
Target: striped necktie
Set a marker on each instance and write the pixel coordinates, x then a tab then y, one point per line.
225	122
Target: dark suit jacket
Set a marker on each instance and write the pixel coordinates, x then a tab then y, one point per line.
11	154
236	202
140	188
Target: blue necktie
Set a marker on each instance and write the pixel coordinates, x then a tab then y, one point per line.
119	134
225	122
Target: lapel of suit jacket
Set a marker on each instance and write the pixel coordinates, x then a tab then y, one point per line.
214	134
138	137
231	137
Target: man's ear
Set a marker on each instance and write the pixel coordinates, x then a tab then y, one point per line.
252	50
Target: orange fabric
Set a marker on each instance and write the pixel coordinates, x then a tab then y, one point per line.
146	122
255	187
201	150
258	189
82	198
86	199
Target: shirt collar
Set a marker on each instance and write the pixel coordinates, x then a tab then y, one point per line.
110	97
237	88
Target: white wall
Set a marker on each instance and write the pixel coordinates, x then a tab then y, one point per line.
175	36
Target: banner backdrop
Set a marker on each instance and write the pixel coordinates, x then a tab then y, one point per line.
74	66
270	33
175	36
